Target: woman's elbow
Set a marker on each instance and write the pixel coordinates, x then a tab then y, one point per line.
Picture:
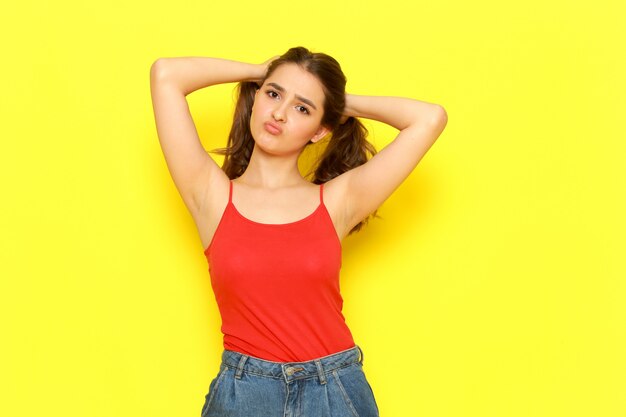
158	68
439	117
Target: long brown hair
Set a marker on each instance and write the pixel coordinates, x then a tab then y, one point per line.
347	148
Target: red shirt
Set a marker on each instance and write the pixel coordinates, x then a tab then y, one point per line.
277	286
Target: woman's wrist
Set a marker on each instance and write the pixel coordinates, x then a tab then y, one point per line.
257	74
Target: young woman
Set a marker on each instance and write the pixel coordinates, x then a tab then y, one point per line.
272	238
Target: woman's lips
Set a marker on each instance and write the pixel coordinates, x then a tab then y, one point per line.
272	128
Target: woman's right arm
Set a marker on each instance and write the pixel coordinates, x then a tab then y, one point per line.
171	80
189	74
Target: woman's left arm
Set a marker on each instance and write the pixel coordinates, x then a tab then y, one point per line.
420	123
398	112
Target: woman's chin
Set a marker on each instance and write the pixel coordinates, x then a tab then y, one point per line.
274	148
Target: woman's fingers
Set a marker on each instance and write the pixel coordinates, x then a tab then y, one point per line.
264	66
267	63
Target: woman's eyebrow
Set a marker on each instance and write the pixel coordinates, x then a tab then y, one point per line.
305	100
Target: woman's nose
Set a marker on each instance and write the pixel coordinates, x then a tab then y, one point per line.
279	112
278	115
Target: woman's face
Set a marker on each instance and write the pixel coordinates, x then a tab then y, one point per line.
292	100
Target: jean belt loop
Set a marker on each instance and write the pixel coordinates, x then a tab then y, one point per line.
320	371
242	362
361	351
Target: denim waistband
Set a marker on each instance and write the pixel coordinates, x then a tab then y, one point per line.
291	371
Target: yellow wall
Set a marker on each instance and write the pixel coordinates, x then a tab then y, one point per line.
494	286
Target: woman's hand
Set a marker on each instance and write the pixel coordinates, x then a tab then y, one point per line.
263	69
346	111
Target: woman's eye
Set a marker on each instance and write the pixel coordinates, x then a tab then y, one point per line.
271	94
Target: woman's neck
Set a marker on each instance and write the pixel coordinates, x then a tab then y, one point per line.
269	171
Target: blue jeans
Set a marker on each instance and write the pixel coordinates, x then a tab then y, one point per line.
329	386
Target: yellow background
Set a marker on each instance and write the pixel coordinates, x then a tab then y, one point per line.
493	286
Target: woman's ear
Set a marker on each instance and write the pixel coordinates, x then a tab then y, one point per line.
321	132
